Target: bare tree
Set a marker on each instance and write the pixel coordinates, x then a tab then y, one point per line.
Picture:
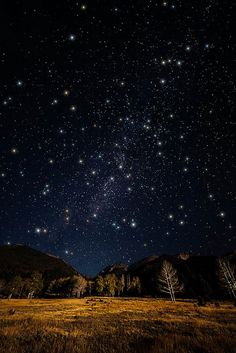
128	281
226	276
120	285
168	280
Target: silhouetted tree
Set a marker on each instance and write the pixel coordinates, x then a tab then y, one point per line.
90	286
60	287
2	285
15	286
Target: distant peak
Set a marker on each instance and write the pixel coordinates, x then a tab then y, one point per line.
183	255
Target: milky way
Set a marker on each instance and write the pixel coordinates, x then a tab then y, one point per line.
116	125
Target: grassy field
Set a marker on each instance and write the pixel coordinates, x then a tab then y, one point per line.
104	325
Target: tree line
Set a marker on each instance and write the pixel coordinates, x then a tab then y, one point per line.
168	283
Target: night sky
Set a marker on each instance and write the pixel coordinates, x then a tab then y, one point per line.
116	128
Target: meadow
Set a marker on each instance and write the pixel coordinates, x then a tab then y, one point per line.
115	325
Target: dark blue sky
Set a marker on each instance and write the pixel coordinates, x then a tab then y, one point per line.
116	125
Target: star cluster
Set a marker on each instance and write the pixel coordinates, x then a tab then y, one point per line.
116	124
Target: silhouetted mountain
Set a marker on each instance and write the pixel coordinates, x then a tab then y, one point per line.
118	269
22	260
147	261
197	273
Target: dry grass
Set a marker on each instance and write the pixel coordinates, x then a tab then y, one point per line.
104	325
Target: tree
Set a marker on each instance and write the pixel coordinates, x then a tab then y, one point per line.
120	285
110	282
135	285
2	285
168	280
227	277
90	284
60	287
33	285
15	287
37	282
78	286
204	288
128	282
99	285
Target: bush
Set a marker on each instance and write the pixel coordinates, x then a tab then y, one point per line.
201	301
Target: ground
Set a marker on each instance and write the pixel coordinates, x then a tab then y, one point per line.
115	325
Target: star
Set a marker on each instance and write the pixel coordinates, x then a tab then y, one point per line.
19	83
72	37
14	150
54	102
117	140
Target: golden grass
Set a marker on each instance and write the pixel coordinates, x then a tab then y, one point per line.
115	325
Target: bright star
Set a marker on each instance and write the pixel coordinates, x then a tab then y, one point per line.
72	37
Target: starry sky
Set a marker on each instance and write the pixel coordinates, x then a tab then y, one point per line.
116	128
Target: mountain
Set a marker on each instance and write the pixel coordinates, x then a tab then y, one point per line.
147	261
118	269
197	273
23	260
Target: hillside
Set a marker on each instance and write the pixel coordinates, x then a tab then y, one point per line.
21	259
